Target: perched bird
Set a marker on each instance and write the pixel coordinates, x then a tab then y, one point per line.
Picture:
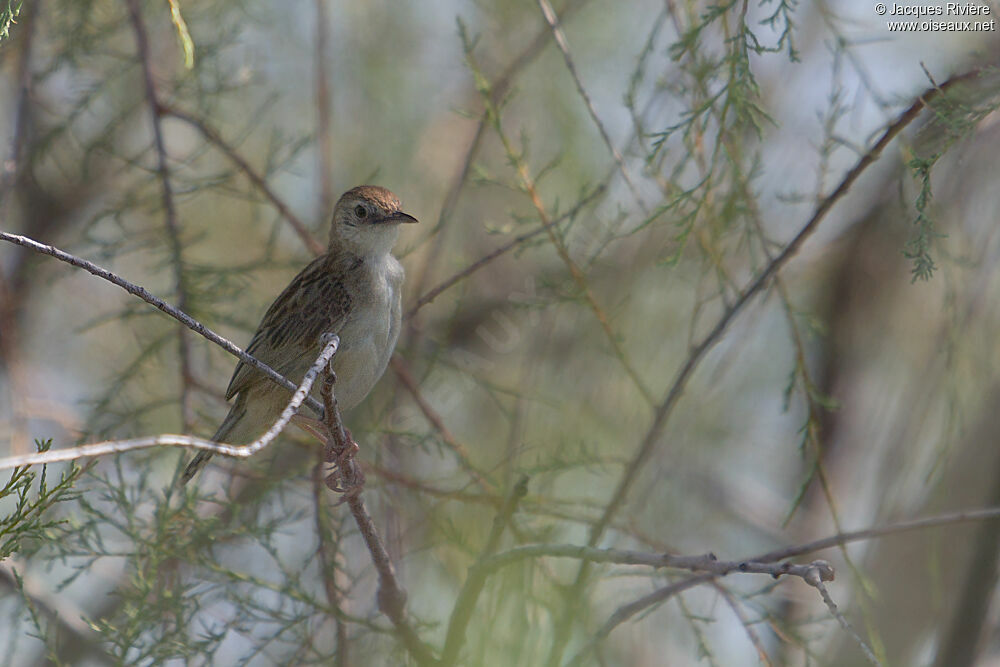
353	291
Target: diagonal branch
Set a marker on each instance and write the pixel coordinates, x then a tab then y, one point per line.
461	451
527	183
170	310
214	138
498	90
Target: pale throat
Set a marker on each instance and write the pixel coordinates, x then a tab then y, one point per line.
371	244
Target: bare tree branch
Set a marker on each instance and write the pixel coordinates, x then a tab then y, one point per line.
173	312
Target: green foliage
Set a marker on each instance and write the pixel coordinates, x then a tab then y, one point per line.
7	16
919	246
955	115
30	519
574	289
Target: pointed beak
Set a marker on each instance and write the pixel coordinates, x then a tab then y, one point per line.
401	217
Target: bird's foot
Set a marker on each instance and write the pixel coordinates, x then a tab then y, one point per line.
346	478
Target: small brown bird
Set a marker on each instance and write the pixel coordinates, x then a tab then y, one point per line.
353	291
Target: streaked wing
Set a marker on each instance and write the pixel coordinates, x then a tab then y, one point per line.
314	303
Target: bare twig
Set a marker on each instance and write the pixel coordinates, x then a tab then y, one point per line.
762	561
663	411
170	310
815	571
169	210
313	245
703	563
817	582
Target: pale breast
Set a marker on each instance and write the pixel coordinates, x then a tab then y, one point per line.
369	335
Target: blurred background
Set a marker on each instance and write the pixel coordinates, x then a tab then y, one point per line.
589	213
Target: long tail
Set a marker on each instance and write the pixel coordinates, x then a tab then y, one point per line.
222	435
197	463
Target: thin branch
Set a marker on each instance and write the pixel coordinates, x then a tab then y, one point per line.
627	611
817	583
173	312
702	563
752	635
169	209
663	412
560	39
310	242
987	514
236	451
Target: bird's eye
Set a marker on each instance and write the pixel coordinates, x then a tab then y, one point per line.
360	211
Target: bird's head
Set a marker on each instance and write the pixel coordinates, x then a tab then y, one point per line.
366	221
